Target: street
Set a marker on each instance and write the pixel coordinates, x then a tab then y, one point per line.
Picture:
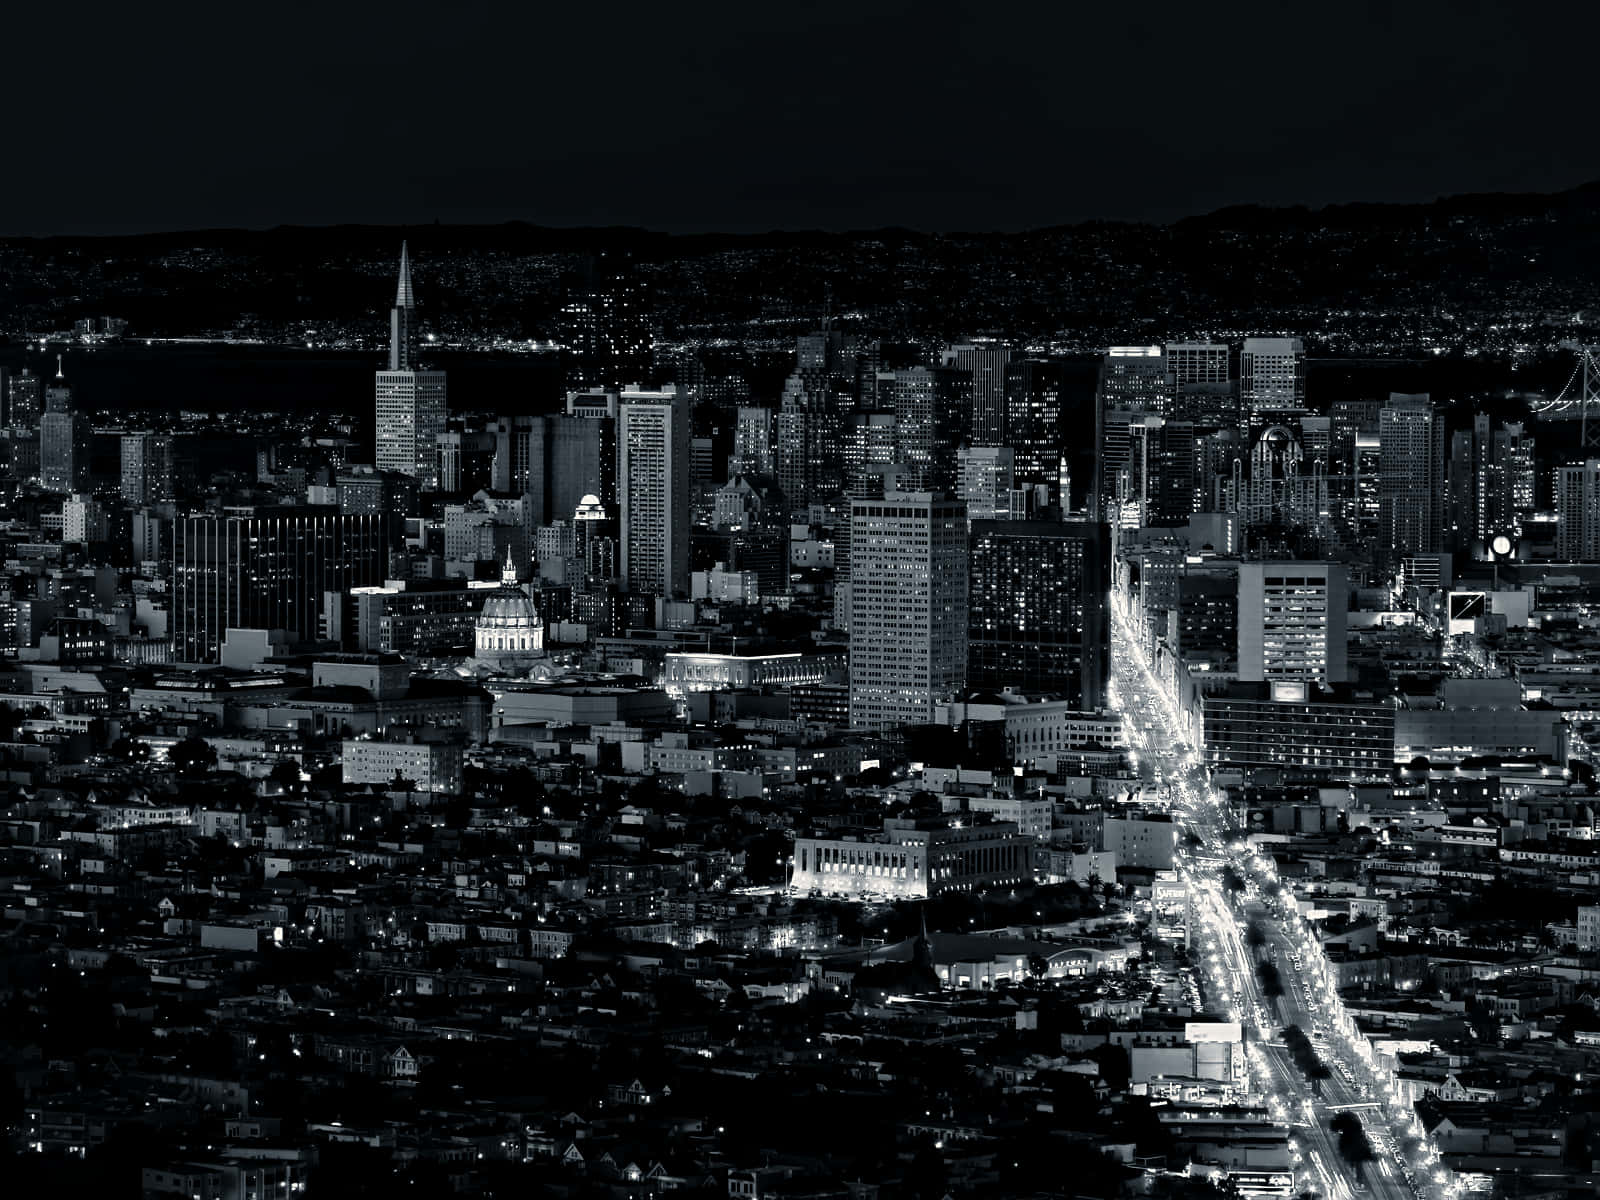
1221	919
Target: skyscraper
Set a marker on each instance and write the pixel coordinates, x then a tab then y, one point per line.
1411	484
410	412
908	607
1272	375
985	481
985	363
752	443
1200	389
24	400
1292	621
1033	421
146	468
1578	512
270	568
1133	381
63	440
1037	608
556	460
653	490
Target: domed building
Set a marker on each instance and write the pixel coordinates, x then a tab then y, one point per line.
509	631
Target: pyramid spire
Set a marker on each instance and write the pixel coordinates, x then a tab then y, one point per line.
403	297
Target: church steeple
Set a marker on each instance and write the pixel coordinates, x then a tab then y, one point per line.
508	574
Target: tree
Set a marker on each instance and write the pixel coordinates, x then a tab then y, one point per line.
286	774
192	756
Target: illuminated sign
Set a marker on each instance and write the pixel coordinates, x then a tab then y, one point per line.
1465	609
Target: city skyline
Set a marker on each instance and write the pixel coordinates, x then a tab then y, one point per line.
499	702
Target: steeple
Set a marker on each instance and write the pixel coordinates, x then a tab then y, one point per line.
508	574
59	373
403	297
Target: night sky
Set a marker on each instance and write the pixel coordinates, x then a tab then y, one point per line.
746	117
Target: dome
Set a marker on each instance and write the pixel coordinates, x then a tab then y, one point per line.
509	632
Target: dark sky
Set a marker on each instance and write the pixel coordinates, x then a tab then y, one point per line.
751	116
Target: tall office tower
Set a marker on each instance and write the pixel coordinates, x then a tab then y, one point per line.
1037	609
985	481
1272	375
24	400
594	542
270	568
63	440
1411	485
1461	519
146	468
1316	441
410	410
908	608
1516	477
985	363
1578	511
1129	441
810	434
1347	420
1192	363
603	327
653	490
932	411
1292	618
1033	421
1173	494
555	460
466	460
752	443
1199	386
1133	380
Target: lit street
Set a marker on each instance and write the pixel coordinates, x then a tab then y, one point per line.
1227	966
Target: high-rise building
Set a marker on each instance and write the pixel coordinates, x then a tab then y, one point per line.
653	490
267	568
1134	378
411	406
752	443
1037	609
1033	421
908	607
1132	384
932	414
146	468
1272	375
985	363
63	440
809	440
1578	511
84	520
24	400
1292	618
556	460
604	330
1411	484
984	481
1199	387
